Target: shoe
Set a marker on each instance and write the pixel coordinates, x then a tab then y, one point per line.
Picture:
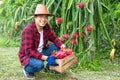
28	75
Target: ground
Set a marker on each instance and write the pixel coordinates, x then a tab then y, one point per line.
10	69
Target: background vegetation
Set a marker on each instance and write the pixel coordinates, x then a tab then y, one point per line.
97	22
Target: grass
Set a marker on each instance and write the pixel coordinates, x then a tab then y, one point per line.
4	41
10	69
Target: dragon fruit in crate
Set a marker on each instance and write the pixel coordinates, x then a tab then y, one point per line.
62	53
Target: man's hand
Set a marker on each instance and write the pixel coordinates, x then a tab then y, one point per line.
51	61
44	57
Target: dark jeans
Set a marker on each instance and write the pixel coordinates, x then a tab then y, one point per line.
35	65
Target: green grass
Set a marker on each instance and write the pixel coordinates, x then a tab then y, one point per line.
9	42
10	69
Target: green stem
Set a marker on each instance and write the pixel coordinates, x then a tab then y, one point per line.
105	30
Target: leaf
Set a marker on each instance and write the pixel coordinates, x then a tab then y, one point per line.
105	6
69	4
49	3
76	15
57	7
17	12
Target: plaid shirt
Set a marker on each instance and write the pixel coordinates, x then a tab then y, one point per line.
30	41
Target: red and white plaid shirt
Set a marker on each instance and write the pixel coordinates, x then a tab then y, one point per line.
30	41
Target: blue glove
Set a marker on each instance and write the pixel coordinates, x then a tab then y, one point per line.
51	61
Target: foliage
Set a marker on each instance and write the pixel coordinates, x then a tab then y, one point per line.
91	20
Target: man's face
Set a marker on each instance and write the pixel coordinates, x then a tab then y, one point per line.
41	20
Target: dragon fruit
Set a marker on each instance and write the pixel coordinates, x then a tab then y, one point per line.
62	53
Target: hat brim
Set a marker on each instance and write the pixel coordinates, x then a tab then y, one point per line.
50	14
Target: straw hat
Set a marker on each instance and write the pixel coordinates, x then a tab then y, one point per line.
41	9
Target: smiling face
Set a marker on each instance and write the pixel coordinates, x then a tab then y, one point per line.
41	20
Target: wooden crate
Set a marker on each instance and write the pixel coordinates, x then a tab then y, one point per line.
64	64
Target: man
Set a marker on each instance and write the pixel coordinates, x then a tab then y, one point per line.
34	48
